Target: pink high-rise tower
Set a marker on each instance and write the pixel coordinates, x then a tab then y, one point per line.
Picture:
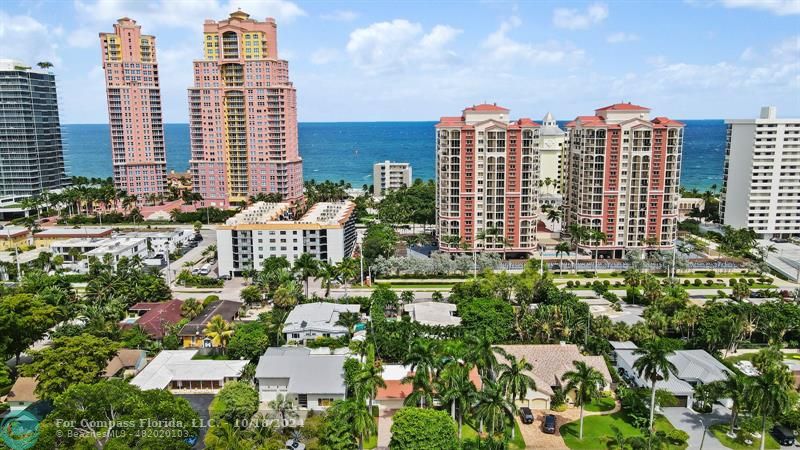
134	109
243	115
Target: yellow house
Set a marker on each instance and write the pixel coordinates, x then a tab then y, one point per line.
11	236
193	333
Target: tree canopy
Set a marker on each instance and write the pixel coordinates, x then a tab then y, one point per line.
423	429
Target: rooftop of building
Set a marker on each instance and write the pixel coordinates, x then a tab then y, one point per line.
623	107
172	365
12	231
320	316
225	308
486	107
433	313
308	372
70	232
157	317
125	358
324	214
8	65
116	245
492	113
23	390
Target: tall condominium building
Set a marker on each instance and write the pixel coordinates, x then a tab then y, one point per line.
389	176
551	154
762	175
327	232
134	109
487	170
31	153
243	115
623	178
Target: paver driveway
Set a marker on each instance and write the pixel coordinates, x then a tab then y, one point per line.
692	423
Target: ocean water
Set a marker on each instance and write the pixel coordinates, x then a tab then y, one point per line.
347	151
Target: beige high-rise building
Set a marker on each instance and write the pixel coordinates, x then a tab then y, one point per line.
552	141
390	176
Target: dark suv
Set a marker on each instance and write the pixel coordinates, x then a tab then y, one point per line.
549	425
783	435
526	415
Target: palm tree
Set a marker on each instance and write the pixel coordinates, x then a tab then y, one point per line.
306	266
514	381
493	408
191	308
328	273
596	237
369	378
554	215
355	413
421	357
577	234
285	296
654	365
347	269
224	436
349	320
283	408
734	387
455	387
768	395
481	354
44	64
585	380
561	249
220	332
617	441
421	390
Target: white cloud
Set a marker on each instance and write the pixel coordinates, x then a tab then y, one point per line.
789	49
184	14
574	19
83	38
748	54
324	56
28	40
620	37
393	46
502	48
340	16
778	7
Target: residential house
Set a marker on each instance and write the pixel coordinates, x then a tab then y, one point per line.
393	396
550	362
693	368
193	333
12	237
127	362
176	370
22	394
153	318
308	321
311	378
437	314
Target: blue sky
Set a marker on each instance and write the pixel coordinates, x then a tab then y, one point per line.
418	60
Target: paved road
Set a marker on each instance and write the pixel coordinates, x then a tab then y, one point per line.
692	423
209	237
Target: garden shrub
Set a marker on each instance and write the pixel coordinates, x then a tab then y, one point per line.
709	283
697	282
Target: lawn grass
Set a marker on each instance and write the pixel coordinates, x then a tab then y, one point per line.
372	442
719	430
601	404
597	428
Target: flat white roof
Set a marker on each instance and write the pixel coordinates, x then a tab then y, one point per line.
172	365
433	313
317	316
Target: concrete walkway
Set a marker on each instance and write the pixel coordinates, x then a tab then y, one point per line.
385	428
692	423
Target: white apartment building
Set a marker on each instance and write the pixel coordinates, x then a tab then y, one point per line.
309	321
327	232
552	141
77	252
761	187
389	176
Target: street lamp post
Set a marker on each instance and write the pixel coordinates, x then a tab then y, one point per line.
169	276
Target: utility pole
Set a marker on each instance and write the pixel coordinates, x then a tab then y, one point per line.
169	276
674	257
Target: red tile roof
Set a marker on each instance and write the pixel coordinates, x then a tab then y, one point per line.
623	107
666	121
483	107
397	390
155	320
525	122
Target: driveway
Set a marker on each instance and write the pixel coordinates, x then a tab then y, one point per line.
692	423
200	404
385	428
534	437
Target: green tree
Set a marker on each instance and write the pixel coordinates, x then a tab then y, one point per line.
490	318
328	273
191	308
347	269
284	410
250	295
306	266
493	408
379	240
220	332
514	380
654	365
585	381
423	429
454	387
347	422
768	395
249	341
97	411
69	361
235	403
24	319
349	320
562	248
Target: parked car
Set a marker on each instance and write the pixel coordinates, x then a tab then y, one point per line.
783	435
226	276
526	415
549	425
